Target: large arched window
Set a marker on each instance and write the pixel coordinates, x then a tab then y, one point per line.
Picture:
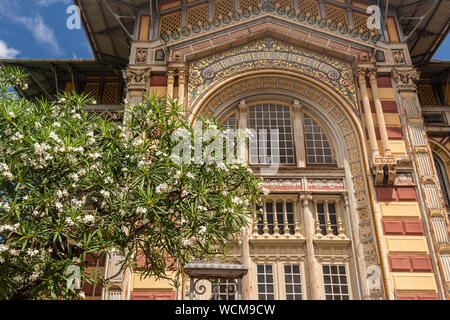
443	179
267	118
272	123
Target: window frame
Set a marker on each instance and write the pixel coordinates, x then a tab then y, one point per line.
347	274
291	120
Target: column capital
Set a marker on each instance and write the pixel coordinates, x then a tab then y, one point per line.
181	76
306	199
372	75
361	72
406	79
243	107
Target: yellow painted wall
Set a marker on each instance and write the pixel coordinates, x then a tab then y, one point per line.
399	210
411	282
406	244
151	283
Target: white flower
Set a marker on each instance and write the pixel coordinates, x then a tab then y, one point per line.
164	187
190	175
186	242
17	136
141	164
222	166
75	177
57	124
3	167
59	206
82	295
8	175
90	134
3	247
237	200
95	155
89	219
69	222
62	100
14	252
202	230
32	253
201	208
36	213
141	210
104	193
265	191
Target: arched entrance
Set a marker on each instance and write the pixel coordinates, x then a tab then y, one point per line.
326	206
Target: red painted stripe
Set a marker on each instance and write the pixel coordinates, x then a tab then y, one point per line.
402	227
389	194
158	81
403	263
388	107
152	295
416	296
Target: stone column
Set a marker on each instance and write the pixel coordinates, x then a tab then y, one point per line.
368	113
246	260
299	138
181	86
380	113
242	146
310	256
170	82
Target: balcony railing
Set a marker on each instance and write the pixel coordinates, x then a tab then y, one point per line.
277	219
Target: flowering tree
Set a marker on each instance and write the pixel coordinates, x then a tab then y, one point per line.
74	185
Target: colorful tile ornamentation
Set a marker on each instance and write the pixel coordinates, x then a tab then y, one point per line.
271	54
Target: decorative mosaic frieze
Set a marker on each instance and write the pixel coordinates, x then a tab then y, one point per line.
271	54
325	184
283	184
172	32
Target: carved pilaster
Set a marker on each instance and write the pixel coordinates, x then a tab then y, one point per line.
137	82
170	83
181	86
368	112
299	137
379	112
406	79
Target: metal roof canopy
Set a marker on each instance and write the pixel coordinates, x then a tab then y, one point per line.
212	270
425	24
109	26
45	74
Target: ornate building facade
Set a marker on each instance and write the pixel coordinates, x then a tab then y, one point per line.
358	206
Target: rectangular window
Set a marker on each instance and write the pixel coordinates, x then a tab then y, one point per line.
292	282
226	290
327	210
335	282
318	149
272	125
283	212
265	282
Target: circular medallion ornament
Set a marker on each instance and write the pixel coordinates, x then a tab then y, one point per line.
208	74
333	75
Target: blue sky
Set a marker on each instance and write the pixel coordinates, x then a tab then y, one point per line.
36	29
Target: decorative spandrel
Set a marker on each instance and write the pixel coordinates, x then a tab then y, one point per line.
271	54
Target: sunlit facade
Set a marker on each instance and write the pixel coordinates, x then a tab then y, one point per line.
358	204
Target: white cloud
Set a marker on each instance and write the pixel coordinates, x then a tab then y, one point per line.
7	52
36	25
46	3
41	32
